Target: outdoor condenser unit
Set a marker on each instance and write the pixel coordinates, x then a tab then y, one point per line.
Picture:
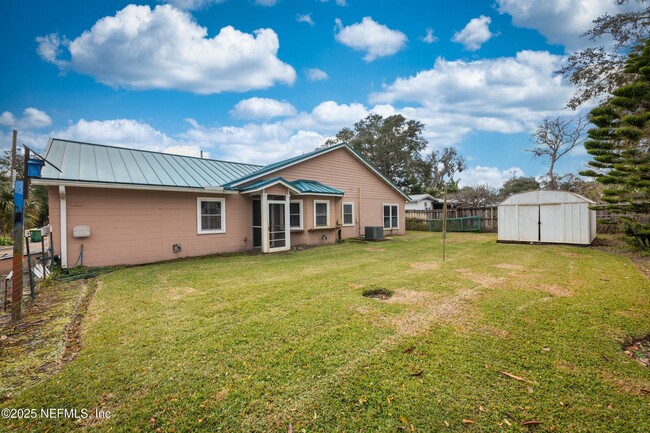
374	233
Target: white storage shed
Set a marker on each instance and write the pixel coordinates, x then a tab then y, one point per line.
547	217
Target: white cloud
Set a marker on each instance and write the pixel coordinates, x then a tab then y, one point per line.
267	3
331	112
32	118
475	33
429	38
492	176
315	74
508	94
305	18
7	119
338	2
262	108
561	21
193	4
375	39
165	48
117	132
187	150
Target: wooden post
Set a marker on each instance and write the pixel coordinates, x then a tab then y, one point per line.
17	280
444	224
21	192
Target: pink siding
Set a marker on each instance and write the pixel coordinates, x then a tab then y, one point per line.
132	227
361	186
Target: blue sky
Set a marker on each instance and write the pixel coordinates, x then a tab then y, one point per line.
261	80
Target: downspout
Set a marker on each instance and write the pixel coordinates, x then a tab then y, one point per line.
64	227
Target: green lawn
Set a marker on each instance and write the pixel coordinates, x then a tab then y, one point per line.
256	343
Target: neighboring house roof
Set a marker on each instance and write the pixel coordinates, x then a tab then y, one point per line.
86	162
83	163
272	168
420	197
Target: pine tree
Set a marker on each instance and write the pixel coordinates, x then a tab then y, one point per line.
620	145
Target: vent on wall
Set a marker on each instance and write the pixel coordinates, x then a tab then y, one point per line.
374	233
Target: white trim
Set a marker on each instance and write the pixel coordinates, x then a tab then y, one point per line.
64	226
343	213
383	205
316	226
301	215
338	146
206	190
264	209
198	215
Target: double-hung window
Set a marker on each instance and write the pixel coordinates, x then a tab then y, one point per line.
210	215
321	213
391	216
295	214
348	214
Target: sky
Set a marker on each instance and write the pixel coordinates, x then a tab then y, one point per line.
258	81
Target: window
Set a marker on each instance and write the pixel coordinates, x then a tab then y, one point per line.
211	215
391	216
321	213
348	214
295	214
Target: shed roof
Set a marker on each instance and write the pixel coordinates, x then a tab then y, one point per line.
87	162
544	197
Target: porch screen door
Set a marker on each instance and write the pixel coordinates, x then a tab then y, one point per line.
277	226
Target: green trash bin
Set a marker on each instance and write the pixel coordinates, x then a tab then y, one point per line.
35	235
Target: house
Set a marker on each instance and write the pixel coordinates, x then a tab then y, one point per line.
547	217
129	206
423	202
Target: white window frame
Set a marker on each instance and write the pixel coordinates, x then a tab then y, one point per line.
383	205
327	202
301	215
199	230
351	203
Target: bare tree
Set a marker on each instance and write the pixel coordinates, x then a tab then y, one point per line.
554	138
598	70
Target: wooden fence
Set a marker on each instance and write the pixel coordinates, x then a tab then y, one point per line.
490	223
488	216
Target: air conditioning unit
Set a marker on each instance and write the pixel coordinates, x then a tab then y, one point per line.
374	233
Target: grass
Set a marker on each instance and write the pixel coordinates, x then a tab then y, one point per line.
259	343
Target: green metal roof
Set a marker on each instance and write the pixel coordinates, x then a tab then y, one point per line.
313	187
87	162
301	185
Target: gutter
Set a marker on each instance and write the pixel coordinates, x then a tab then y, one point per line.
207	189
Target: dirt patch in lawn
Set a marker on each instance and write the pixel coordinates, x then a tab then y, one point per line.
176	293
425	266
374	249
428	309
482	280
555	290
510	266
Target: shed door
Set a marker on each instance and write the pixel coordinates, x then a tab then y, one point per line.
528	217
552	223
